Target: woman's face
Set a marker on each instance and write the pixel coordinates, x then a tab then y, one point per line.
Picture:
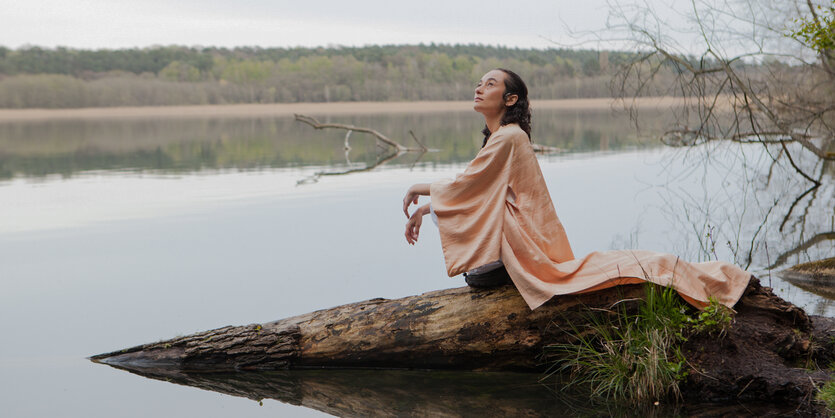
489	94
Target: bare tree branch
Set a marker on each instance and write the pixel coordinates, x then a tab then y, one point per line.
770	101
418	141
310	120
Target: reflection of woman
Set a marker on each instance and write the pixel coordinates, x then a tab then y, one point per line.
496	219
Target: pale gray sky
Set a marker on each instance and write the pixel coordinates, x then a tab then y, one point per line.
139	23
268	23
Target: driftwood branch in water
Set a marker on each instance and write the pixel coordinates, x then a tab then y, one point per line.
418	141
310	120
493	329
545	149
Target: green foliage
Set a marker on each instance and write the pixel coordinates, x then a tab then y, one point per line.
713	320
826	394
459	59
243	72
817	33
174	144
179	75
180	71
591	66
636	357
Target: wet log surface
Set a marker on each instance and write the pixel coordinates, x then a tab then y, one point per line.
772	352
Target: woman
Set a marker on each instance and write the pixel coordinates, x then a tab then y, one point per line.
499	213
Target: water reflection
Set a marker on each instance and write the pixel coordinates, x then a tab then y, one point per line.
66	147
739	202
363	393
101	215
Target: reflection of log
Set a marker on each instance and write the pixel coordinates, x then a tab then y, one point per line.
398	393
365	393
494	330
805	245
817	277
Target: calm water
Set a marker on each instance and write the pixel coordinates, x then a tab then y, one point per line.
117	233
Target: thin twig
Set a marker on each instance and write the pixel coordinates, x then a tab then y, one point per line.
418	141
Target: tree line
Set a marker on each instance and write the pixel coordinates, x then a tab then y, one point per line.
35	77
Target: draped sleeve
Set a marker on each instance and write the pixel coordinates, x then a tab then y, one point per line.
470	208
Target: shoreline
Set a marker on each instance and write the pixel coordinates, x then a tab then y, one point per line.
288	109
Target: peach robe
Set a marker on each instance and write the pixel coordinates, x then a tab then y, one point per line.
499	208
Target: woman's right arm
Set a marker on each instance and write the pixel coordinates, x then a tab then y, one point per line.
412	195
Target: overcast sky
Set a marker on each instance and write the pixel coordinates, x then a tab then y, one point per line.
140	23
269	23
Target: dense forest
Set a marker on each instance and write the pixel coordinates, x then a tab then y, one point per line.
34	77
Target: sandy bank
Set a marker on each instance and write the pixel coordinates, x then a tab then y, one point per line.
288	109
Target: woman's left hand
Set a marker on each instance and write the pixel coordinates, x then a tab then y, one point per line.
412	195
414	223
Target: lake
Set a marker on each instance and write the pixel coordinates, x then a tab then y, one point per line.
118	232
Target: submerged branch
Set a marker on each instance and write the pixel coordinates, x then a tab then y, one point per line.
418	141
310	120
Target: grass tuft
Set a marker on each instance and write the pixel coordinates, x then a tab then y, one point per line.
635	357
826	394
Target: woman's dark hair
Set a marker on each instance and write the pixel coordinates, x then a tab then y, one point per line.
520	112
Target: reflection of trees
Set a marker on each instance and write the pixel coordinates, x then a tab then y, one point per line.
388	151
759	100
817	239
67	147
757	212
753	208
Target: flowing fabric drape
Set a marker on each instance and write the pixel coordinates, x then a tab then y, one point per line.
500	208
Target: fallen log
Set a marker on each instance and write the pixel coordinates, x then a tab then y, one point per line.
460	328
470	329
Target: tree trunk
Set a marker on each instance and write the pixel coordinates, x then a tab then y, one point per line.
460	328
493	330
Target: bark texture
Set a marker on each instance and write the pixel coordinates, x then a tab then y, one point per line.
772	351
460	328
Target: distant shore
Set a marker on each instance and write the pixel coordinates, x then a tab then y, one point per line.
288	109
